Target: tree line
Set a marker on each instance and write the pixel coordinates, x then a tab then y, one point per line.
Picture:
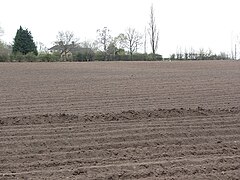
124	46
201	54
68	48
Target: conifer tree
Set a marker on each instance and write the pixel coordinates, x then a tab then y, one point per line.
23	42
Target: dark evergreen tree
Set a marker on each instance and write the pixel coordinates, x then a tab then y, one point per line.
23	42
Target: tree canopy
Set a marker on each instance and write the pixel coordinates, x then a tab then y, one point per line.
23	42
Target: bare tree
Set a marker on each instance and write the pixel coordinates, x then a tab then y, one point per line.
186	54
90	45
41	48
145	41
192	54
66	42
179	53
116	46
88	49
235	44
1	31
5	50
132	40
104	39
153	32
120	41
202	54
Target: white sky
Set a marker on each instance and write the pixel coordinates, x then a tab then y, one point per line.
182	23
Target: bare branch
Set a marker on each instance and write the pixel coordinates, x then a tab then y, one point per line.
41	47
104	39
1	31
66	41
132	40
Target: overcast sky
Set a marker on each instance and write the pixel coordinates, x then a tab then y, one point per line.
182	23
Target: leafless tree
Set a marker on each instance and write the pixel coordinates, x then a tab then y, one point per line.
120	41
179	53
116	46
186	54
104	39
66	41
89	44
41	48
192	54
1	31
235	44
132	40
88	49
5	49
145	41
202	54
153	32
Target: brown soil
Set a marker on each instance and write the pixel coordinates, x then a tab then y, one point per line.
120	120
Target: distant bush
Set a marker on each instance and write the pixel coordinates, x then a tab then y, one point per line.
4	57
99	56
17	57
46	57
200	55
79	57
125	57
30	57
156	57
4	52
86	56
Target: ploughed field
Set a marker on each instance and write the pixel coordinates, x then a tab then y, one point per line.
120	120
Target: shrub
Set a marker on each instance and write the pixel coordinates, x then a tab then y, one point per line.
30	57
46	57
4	57
19	57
